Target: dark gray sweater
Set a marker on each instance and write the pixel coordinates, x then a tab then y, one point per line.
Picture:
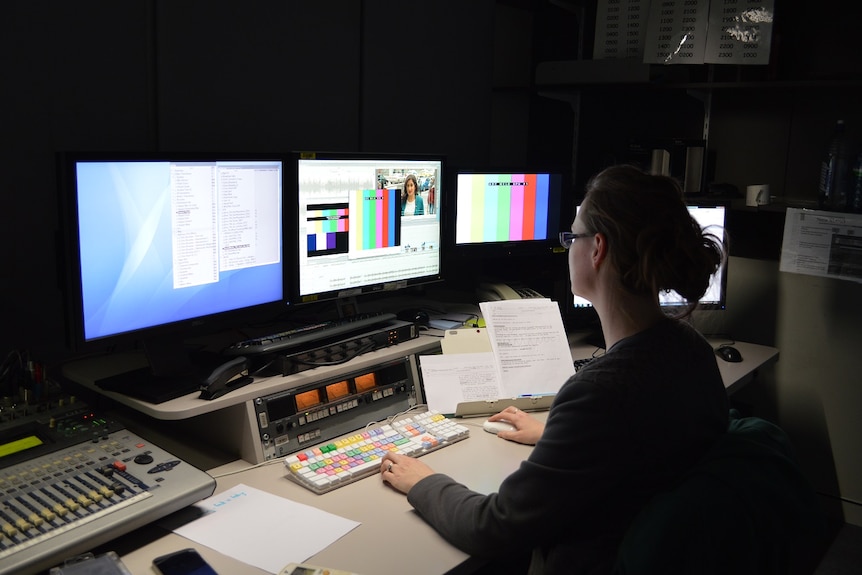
619	431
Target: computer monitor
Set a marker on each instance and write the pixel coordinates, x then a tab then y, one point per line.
506	212
359	228
712	218
161	247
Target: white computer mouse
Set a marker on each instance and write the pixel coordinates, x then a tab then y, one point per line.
496	427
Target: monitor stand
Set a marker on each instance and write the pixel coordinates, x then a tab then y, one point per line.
347	307
172	371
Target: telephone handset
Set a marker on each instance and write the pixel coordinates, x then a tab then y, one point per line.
501	291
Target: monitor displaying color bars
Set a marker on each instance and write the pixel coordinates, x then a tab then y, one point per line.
366	223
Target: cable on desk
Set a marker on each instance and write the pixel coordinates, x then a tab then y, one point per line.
596	353
267	365
249	468
395	416
466	323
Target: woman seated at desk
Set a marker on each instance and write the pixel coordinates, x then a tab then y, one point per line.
623	428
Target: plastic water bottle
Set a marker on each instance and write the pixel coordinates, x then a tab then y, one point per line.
835	172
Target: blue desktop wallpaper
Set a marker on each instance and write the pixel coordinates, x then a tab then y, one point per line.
126	255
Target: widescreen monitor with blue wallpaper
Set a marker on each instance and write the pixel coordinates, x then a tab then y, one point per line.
172	241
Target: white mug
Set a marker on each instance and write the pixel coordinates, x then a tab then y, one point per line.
757	195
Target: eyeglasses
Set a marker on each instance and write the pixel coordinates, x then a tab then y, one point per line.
568	238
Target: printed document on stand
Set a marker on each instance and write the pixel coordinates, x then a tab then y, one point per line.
530	357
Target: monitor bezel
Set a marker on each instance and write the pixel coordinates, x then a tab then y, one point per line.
298	299
179	331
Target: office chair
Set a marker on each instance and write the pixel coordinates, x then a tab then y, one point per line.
744	509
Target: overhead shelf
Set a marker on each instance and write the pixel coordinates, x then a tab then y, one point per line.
569	74
584	72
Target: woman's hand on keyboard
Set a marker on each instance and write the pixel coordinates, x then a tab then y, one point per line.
403	472
527	430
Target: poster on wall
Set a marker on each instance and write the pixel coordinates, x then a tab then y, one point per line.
826	244
740	32
620	29
676	32
685	31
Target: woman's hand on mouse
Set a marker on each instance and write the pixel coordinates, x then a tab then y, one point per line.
527	430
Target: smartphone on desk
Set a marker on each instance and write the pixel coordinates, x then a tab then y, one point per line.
183	562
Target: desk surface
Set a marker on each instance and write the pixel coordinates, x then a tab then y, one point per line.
734	375
754	356
391	535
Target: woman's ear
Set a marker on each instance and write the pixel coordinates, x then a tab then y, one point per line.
600	250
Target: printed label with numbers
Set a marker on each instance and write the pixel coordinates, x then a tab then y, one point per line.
620	29
740	32
676	32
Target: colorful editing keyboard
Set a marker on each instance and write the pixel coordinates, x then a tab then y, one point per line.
351	457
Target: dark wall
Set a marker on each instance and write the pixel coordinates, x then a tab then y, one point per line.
258	75
222	76
442	76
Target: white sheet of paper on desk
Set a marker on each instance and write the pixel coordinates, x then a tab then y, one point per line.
456	378
263	529
530	344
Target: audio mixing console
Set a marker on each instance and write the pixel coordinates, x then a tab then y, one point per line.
72	479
